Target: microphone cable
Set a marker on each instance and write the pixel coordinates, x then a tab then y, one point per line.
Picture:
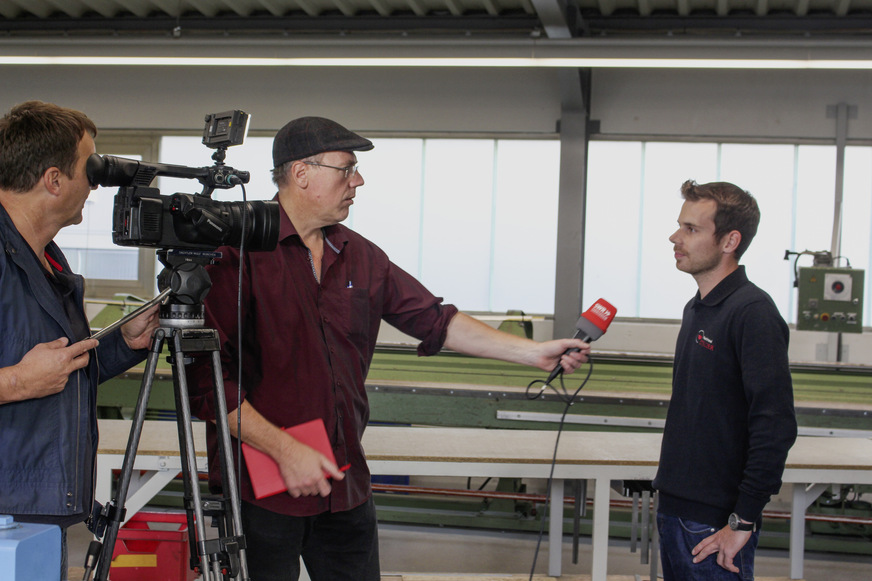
562	393
567	399
239	343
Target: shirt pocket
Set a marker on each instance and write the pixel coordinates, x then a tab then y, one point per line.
357	319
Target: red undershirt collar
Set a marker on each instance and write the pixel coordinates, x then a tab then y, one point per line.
55	264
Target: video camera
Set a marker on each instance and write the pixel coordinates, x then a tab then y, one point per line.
143	217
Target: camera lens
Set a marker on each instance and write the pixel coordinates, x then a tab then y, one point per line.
261	224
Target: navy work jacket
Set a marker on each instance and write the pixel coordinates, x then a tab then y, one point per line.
48	446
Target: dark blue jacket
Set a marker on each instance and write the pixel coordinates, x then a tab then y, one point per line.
48	446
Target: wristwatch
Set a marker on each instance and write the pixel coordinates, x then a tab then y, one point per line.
736	523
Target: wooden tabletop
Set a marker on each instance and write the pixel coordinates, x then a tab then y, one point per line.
475	445
509	446
589	448
158	438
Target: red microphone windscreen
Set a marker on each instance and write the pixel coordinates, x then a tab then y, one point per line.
600	314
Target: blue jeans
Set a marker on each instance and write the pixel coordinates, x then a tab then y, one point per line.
64	555
678	537
341	546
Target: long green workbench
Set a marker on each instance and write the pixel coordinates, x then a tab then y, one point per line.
456	390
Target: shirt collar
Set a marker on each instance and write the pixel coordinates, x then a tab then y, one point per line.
724	288
335	235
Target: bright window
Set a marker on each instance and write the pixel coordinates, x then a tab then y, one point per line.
475	219
634	200
455	213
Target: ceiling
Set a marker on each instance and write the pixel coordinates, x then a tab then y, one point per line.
552	19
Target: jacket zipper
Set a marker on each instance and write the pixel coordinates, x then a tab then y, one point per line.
78	439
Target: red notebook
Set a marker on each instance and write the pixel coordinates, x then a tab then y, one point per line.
265	476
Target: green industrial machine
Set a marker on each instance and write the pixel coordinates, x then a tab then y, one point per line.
830	299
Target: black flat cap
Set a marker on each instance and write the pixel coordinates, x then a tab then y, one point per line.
309	136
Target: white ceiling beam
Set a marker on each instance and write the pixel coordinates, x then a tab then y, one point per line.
105	8
35	7
307	7
134	7
171	7
66	8
381	7
606	6
454	7
272	7
553	18
645	7
325	51
417	7
345	7
237	7
204	7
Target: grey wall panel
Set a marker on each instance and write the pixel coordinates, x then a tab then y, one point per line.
627	102
376	99
786	104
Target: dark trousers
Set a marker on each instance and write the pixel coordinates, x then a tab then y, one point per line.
341	546
678	537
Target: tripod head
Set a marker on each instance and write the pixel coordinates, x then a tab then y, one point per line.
185	276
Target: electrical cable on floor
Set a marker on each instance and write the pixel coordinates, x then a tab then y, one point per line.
564	396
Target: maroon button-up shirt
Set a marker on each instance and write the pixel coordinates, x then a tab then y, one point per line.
307	346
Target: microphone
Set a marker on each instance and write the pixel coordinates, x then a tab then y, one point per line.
590	326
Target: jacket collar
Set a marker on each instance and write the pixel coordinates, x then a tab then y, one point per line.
21	254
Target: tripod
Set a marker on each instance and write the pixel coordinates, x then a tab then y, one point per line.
181	327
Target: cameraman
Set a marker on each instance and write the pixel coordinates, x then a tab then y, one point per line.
49	368
311	312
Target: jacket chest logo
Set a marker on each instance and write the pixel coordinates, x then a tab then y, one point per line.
704	341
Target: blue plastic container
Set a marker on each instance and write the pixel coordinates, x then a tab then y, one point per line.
29	552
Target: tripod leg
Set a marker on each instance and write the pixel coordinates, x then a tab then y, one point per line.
226	454
188	499
186	443
115	508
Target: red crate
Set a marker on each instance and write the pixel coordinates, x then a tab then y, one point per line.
146	549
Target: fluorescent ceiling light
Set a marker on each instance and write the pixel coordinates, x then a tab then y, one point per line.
531	62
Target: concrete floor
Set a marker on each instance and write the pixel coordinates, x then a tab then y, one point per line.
427	551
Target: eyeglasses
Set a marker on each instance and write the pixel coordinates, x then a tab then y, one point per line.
349	170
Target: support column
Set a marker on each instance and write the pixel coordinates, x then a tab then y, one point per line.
574	128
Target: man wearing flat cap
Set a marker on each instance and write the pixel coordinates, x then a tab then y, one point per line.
311	311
